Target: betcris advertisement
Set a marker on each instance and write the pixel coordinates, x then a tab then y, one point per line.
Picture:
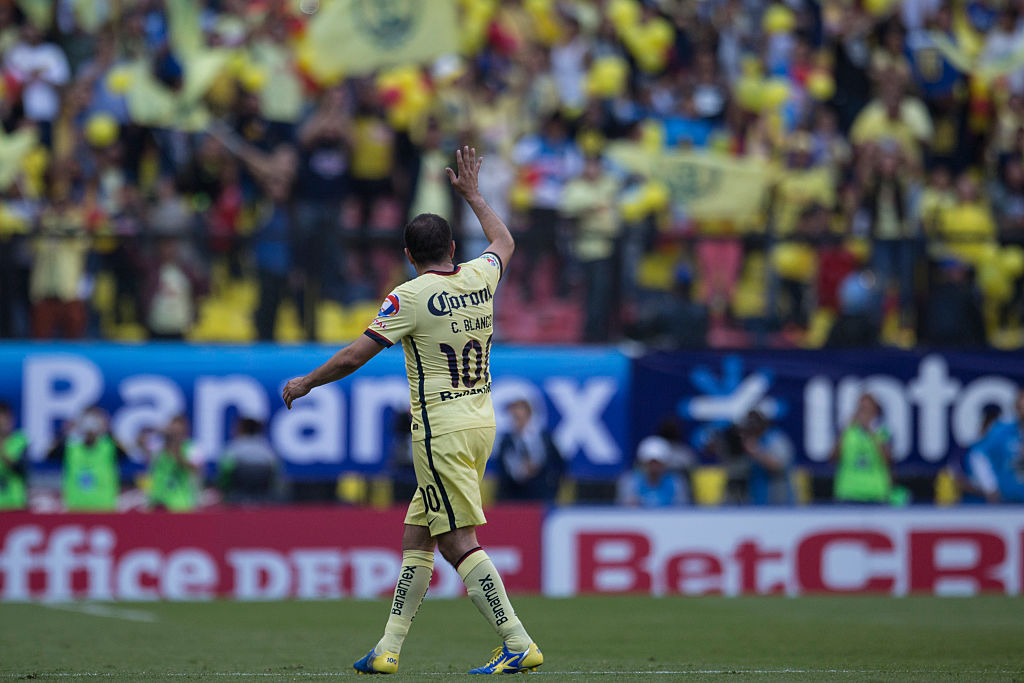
582	395
932	402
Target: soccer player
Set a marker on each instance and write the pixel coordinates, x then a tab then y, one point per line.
444	319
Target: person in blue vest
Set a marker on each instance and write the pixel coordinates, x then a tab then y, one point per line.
997	462
652	484
974	465
770	453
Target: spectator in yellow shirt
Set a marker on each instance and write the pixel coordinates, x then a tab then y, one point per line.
801	184
58	284
967	229
894	116
590	200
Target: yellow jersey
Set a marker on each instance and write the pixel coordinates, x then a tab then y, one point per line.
445	321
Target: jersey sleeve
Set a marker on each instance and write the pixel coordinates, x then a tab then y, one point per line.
395	320
490	266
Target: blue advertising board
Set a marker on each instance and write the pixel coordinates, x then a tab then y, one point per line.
932	401
582	395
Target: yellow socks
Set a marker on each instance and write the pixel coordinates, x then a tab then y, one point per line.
488	594
417	566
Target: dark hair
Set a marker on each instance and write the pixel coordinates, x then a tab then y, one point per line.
428	237
5	408
249	426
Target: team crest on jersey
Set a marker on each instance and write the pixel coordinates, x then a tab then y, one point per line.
492	259
389	307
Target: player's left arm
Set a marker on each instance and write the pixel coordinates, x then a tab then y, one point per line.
342	364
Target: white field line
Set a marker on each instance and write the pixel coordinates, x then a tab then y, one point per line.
97	610
690	672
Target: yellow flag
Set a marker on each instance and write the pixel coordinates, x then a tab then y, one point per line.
151	103
359	36
13	149
707	185
714	186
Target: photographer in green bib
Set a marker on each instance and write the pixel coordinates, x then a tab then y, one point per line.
91	458
174	471
13	489
863	456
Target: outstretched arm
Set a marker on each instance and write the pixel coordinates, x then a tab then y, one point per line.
342	364
466	183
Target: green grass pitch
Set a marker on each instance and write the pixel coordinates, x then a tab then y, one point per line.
592	638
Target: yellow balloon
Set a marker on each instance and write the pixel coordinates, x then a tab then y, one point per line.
878	7
821	85
591	142
652	135
775	92
794	261
778	19
750	93
101	129
994	283
659	33
520	197
632	211
253	78
860	248
623	13
655	196
607	77
35	162
1011	261
119	80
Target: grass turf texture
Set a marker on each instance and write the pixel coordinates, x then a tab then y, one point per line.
601	638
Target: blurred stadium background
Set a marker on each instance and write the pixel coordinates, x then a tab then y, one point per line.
762	334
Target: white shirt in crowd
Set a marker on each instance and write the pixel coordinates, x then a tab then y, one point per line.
42	68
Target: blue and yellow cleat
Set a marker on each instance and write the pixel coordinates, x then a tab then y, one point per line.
505	662
373	663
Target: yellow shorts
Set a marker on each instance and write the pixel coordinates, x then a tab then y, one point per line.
449	469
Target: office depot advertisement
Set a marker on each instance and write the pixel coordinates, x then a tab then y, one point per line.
315	552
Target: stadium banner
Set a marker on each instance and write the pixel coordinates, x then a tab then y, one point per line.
357	36
770	551
243	554
580	394
708	185
932	402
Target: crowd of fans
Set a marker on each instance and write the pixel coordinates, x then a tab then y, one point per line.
892	132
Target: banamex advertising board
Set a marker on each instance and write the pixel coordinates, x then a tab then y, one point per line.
784	551
581	394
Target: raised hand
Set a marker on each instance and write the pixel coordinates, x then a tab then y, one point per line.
466	182
296	388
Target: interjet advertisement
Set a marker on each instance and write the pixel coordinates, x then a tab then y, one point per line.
580	394
932	402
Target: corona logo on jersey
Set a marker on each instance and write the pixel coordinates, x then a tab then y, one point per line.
389	307
443	303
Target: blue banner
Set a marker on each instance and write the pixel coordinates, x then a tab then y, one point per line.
932	402
582	395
